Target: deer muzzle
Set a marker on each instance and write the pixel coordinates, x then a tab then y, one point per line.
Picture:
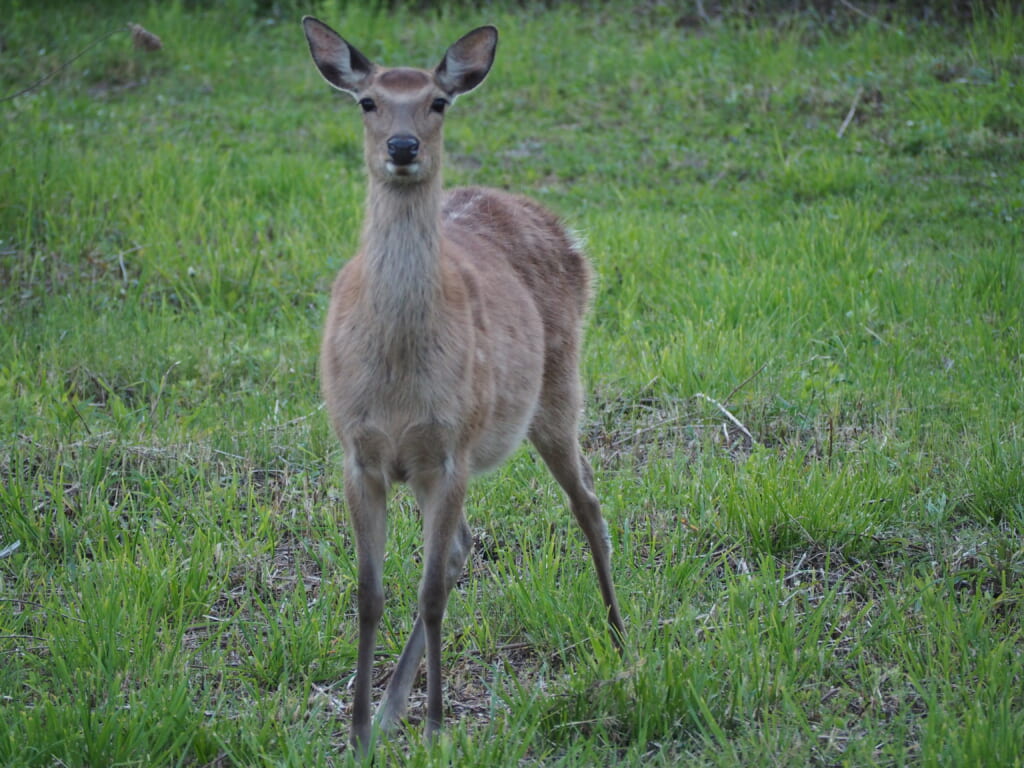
402	150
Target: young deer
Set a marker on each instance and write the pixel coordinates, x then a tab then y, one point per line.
451	335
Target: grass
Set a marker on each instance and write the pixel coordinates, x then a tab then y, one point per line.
804	370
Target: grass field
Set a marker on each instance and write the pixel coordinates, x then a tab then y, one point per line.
804	373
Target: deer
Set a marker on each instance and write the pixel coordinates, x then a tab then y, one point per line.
452	335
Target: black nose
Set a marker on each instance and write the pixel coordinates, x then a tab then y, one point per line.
403	149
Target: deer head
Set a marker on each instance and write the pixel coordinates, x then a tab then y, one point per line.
403	108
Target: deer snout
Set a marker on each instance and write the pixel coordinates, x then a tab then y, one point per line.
403	149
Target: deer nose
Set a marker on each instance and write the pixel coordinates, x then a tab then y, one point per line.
403	149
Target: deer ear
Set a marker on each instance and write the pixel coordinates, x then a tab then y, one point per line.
468	61
341	64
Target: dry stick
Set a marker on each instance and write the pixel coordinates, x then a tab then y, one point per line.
701	13
736	422
659	425
850	114
335	702
81	418
746	381
865	14
120	262
63	66
9	550
160	390
141	38
295	421
674	419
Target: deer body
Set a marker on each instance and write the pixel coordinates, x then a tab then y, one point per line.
440	349
452	335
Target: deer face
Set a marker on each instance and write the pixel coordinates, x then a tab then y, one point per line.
403	111
403	108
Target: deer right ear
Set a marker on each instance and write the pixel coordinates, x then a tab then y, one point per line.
342	65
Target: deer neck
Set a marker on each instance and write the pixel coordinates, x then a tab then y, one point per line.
401	244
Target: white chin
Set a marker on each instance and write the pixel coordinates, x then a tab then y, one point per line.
410	171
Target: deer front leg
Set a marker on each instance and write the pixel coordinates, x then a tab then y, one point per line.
442	493
392	706
366	498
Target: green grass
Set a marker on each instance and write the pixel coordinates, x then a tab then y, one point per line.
804	370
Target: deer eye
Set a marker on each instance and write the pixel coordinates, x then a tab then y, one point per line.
368	105
438	105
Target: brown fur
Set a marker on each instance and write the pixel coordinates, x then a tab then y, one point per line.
452	334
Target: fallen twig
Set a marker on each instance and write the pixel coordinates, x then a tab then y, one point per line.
142	39
865	14
746	381
10	549
160	389
725	411
851	113
632	436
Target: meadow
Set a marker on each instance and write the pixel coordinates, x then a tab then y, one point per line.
804	373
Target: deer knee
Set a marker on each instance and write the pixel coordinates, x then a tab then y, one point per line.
370	600
433	599
461	546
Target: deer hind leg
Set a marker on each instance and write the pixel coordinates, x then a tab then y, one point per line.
392	706
554	434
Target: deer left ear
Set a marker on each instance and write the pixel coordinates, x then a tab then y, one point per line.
467	61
